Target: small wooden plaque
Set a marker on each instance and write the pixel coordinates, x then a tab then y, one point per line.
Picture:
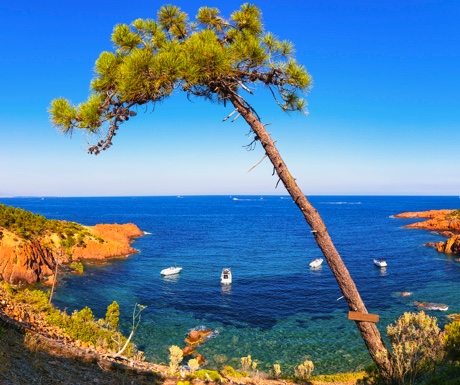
366	317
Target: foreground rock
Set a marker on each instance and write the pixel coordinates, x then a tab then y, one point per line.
445	222
25	261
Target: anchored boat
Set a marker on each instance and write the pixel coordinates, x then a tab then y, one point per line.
316	262
171	270
380	262
226	276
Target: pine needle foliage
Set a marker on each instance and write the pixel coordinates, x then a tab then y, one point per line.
31	226
209	57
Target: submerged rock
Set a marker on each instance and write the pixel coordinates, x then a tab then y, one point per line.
431	306
197	336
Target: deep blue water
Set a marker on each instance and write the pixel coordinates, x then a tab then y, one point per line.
277	309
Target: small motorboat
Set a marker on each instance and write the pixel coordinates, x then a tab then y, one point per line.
380	263
316	262
171	270
226	276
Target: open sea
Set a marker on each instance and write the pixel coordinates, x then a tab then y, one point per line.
278	310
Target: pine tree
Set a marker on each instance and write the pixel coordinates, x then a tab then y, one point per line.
218	60
112	316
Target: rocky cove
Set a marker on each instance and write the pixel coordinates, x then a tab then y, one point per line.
24	261
411	219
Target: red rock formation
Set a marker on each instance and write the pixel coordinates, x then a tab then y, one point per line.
25	261
197	336
117	239
439	220
442	222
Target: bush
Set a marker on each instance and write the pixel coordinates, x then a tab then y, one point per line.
194	365
229	371
246	363
175	357
303	371
77	267
417	347
207	375
80	325
452	340
113	315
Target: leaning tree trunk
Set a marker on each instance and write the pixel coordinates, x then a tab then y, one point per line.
368	330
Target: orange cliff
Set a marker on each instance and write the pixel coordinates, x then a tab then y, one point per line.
445	222
32	261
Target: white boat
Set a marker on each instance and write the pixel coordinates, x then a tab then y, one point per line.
380	262
226	276
316	262
171	270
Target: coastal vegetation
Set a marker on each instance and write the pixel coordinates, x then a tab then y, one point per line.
77	267
422	353
217	60
30	226
79	326
32	246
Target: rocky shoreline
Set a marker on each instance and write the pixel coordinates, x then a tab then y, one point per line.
444	222
29	261
32	352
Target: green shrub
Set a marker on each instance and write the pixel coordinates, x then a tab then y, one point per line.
447	375
372	376
207	375
77	267
37	299
113	315
229	371
452	340
29	225
80	325
455	214
417	347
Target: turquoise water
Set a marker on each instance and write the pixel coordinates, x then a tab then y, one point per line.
277	309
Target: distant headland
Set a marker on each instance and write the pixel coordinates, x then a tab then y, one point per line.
30	244
444	222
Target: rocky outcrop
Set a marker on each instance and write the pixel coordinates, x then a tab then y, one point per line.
24	261
32	261
451	246
437	220
116	242
441	221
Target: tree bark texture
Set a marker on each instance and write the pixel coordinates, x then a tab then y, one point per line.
368	330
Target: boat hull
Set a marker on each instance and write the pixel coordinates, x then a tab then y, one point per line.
316	262
380	263
171	271
226	277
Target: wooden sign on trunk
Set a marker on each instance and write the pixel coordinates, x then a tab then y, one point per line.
366	317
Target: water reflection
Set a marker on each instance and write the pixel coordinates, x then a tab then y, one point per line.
171	278
226	289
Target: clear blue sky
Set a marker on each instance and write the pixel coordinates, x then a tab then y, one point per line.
384	110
